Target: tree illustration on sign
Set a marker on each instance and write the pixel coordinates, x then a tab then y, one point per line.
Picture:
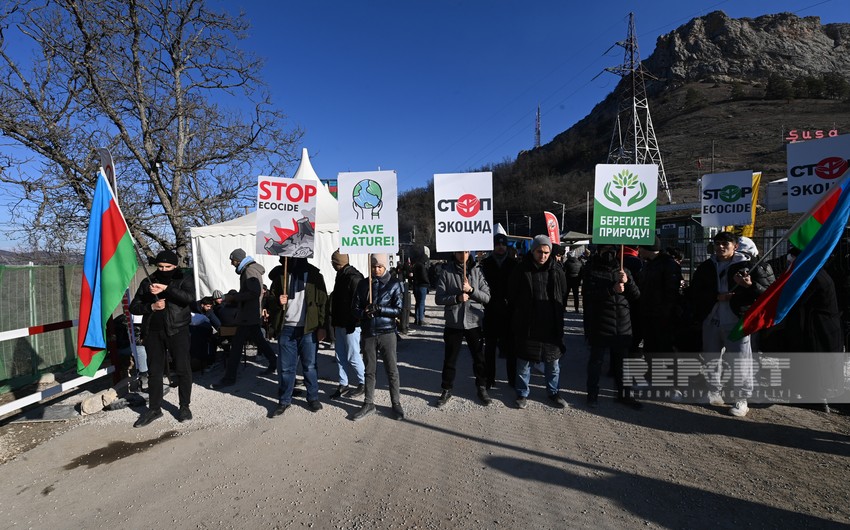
625	180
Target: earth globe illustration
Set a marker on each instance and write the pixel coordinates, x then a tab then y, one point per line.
367	195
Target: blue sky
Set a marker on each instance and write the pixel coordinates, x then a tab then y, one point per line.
440	86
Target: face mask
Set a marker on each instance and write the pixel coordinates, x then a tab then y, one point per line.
166	276
608	257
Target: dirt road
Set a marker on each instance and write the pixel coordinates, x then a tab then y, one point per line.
465	466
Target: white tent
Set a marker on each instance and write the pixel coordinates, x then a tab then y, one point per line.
212	245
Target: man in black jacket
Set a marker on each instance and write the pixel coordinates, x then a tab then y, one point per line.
346	326
377	308
608	291
497	269
537	294
164	302
660	286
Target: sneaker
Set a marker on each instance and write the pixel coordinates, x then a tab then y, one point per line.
398	411
366	410
184	415
357	391
715	399
279	411
148	417
740	409
521	402
315	405
557	401
224	383
340	390
630	402
484	396
444	398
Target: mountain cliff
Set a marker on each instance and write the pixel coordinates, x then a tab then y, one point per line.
723	93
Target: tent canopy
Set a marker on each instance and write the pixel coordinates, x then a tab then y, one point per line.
212	245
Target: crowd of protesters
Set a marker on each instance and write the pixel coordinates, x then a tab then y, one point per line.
635	305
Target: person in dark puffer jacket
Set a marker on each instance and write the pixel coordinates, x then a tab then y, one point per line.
607	293
378	326
537	295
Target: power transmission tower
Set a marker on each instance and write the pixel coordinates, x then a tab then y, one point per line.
537	129
634	140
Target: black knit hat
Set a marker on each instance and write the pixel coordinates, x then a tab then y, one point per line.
167	256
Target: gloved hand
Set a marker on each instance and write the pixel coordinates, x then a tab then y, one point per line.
371	311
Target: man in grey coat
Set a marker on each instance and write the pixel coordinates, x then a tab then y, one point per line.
462	289
249	317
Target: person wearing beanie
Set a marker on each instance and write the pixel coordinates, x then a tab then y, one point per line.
346	327
609	296
537	296
721	289
248	301
299	302
497	269
377	310
164	300
463	296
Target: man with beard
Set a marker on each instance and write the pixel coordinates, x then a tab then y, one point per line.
164	301
346	326
249	316
537	296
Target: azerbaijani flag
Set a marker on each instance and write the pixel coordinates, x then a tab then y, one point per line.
109	265
816	235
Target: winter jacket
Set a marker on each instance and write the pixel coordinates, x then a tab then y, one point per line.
660	286
316	295
420	274
462	315
497	278
250	293
525	313
178	301
702	292
572	269
342	298
387	301
607	313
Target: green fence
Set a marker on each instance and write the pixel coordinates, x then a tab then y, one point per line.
33	296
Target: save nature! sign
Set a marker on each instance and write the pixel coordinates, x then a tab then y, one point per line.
368	212
625	196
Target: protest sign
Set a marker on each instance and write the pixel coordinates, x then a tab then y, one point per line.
368	212
463	211
814	167
625	197
727	198
286	216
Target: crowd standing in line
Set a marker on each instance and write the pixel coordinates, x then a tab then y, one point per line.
497	303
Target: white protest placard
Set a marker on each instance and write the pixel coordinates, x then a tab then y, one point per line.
814	167
625	196
286	216
368	212
727	198
463	211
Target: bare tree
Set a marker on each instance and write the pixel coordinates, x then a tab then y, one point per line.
159	82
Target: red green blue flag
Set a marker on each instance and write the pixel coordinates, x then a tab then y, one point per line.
815	235
108	267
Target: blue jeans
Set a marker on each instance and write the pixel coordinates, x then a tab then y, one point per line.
419	293
292	345
523	376
347	348
141	358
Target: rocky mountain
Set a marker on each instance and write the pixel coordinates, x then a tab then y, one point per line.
724	94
